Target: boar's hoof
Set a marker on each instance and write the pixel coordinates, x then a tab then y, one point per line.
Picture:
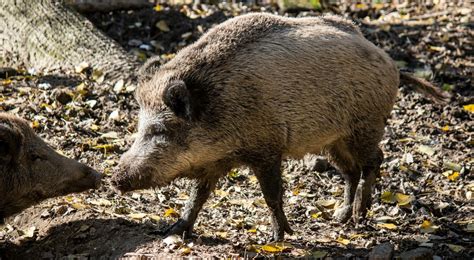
279	232
343	213
180	228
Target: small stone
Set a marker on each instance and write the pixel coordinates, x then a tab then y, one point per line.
172	240
115	115
420	253
382	251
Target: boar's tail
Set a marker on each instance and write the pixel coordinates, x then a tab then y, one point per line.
424	87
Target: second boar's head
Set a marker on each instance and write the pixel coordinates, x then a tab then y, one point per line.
31	171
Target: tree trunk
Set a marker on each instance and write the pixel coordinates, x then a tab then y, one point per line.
46	34
106	5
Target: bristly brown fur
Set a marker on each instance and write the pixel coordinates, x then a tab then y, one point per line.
254	90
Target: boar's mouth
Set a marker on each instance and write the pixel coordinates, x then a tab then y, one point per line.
90	180
135	180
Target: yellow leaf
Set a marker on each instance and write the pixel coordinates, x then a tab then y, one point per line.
427	227
271	249
158	8
387	197
253	230
163	26
454	176
137	216
35	124
469	108
451	175
403	199
185	250
98	76
316	215
343	241
296	191
233	174
221	234
387	226
94	127
6	82
171	213
445	128
104	146
78	206
276	247
82	89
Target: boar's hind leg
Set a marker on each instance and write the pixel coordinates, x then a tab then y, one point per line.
343	160
269	177
370	171
201	189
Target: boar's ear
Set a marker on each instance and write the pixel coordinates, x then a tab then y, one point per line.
177	97
9	144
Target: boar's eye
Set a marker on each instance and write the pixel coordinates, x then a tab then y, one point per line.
35	157
3	148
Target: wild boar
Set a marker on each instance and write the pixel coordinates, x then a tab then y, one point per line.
31	171
254	90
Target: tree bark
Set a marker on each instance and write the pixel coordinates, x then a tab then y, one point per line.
106	5
46	34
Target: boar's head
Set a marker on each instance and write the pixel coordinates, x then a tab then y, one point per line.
174	136
31	171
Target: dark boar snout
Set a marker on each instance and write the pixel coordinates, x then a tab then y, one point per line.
131	175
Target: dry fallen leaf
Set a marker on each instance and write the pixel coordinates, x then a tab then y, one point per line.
469	108
343	241
387	226
171	213
451	175
388	197
137	216
163	26
426	150
402	199
428	227
277	247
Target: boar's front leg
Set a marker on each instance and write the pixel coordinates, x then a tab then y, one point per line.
269	178
201	189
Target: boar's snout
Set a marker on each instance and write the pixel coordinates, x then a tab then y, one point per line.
128	179
93	176
132	174
87	178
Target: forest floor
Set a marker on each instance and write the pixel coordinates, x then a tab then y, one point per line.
422	202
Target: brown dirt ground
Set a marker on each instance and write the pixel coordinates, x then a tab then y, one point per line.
424	143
